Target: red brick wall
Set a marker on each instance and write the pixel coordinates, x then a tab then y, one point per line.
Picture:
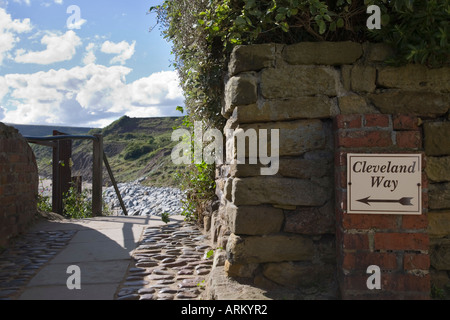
398	244
18	184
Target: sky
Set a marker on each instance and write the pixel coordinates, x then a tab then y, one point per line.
84	63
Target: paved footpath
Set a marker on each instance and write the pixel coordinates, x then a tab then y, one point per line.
118	258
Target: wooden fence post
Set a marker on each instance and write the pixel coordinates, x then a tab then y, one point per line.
62	172
97	178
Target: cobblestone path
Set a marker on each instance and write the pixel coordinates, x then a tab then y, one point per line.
170	263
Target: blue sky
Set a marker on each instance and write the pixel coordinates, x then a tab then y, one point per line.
83	63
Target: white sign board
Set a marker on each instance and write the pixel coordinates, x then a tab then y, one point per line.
384	183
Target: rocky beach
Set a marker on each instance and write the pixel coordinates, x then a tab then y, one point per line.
144	200
139	200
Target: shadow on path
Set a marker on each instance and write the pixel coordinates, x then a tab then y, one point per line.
101	247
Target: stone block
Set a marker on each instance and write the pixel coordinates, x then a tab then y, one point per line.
436	138
415	77
440	279
288	167
439	224
304	168
240	90
280	191
295	137
254	220
440	254
377	52
299	274
239	170
228	189
425	104
292	81
252	58
355	104
363	78
438	169
323	53
240	270
312	220
439	196
292	109
270	248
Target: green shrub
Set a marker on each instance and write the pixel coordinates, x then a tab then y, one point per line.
77	205
418	30
197	180
129	136
136	150
43	203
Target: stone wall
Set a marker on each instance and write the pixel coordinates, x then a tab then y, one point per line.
279	231
18	184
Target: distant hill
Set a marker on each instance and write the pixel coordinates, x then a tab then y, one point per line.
42	131
135	147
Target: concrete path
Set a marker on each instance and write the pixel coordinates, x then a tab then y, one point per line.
101	248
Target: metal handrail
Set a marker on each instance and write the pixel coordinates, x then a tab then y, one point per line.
62	137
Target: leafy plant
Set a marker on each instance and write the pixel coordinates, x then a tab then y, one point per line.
77	205
136	150
437	293
165	217
210	253
197	180
418	29
43	203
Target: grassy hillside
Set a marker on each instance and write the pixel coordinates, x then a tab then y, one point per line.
135	147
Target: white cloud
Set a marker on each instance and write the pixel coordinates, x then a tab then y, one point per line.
92	95
123	49
3	88
9	29
77	24
89	57
2	113
58	48
28	2
155	89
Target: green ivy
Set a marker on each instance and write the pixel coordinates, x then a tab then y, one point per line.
418	30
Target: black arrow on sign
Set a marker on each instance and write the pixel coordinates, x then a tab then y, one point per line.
405	201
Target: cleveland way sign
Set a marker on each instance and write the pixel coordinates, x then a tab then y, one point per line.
384	183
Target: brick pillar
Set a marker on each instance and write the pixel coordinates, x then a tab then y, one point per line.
398	244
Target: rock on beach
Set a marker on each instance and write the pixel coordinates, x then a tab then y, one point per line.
145	200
